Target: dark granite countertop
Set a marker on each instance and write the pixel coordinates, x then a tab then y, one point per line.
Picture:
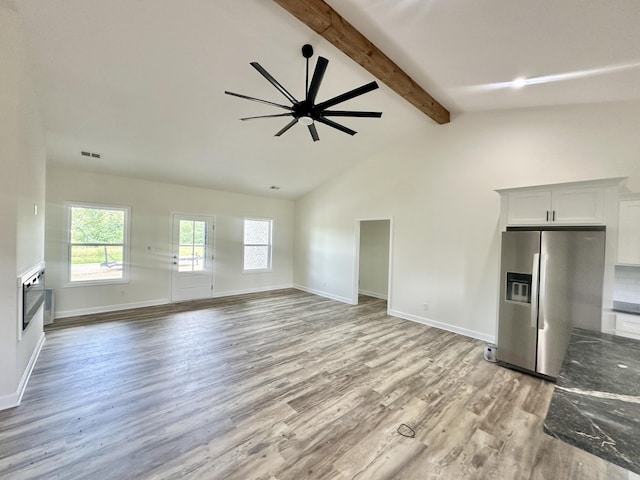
596	402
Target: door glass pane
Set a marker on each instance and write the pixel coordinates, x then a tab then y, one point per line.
191	256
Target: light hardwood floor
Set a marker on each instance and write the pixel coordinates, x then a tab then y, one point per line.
277	386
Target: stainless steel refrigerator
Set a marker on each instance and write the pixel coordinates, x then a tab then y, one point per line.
551	282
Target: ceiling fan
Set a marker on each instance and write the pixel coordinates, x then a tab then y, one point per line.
307	111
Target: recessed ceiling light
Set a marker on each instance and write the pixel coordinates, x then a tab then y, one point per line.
519	82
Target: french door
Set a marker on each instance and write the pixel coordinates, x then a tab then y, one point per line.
192	257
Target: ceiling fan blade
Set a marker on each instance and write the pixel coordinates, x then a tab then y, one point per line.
346	113
268	116
346	96
286	127
258	100
274	82
313	132
335	125
318	74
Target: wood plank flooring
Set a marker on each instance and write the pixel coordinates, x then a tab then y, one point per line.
277	386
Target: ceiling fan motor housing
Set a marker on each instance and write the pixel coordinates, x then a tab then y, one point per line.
307	51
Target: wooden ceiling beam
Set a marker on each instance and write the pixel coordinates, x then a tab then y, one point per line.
328	23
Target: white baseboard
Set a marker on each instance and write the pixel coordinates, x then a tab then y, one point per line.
368	293
159	301
110	308
444	326
8	401
14	399
324	294
244	291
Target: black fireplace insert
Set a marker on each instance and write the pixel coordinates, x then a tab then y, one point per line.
32	297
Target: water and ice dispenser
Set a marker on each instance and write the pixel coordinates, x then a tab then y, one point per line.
518	287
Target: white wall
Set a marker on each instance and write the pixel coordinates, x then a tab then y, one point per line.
373	261
438	186
152	205
22	185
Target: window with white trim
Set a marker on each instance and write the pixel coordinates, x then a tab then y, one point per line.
257	244
98	236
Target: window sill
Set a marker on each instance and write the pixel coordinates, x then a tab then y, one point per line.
96	283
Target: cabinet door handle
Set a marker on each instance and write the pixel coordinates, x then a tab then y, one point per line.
553	218
547	215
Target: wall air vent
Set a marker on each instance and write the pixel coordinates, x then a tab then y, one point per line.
90	154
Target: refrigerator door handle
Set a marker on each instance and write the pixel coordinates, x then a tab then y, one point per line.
534	289
543	289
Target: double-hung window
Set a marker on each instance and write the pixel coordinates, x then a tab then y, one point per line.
98	236
257	244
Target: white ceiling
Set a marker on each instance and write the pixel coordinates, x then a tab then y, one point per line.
142	82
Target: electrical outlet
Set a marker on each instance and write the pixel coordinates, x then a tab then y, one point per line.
425	307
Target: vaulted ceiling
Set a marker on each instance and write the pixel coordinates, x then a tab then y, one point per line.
142	83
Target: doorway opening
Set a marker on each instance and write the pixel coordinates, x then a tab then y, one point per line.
373	259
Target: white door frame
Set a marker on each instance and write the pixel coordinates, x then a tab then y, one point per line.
210	251
356	267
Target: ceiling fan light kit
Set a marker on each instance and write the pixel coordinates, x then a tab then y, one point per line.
306	111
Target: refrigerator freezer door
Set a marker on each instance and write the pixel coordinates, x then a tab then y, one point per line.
517	334
571	276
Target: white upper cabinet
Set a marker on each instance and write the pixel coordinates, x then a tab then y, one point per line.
629	232
529	207
578	203
566	206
